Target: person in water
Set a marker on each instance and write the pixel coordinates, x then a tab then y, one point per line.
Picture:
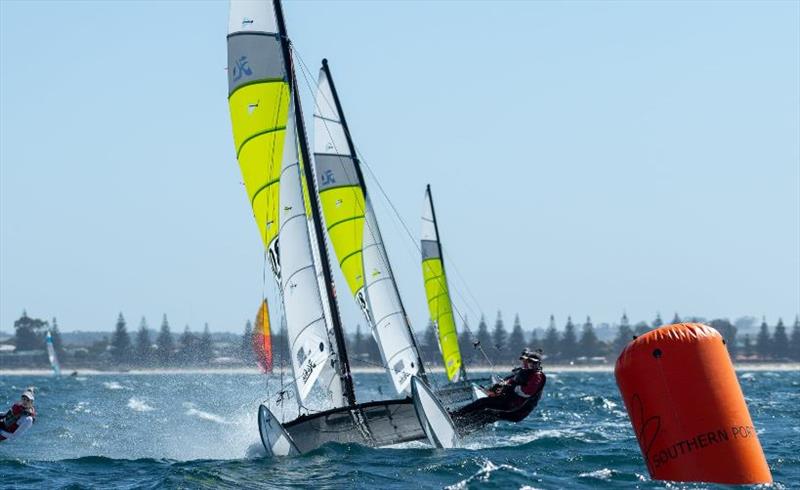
19	418
512	399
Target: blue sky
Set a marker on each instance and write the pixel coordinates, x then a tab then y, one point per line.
586	157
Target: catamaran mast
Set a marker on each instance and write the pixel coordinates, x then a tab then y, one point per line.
439	248
361	181
336	321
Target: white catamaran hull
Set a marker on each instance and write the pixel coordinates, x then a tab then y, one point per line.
374	424
435	420
275	439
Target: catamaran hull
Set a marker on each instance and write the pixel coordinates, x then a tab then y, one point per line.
434	418
373	424
274	437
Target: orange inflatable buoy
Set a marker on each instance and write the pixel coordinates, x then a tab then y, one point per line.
687	409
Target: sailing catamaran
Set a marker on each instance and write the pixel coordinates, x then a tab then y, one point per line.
271	147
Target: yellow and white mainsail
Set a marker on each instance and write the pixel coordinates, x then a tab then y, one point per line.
356	238
265	135
437	293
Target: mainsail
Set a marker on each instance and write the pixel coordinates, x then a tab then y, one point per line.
436	291
356	238
266	136
262	339
51	354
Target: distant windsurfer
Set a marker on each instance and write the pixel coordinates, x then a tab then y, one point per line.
19	418
512	399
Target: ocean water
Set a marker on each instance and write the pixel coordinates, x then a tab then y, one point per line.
200	431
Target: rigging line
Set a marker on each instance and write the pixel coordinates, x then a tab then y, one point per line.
304	70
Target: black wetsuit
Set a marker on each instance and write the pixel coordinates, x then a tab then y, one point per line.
512	400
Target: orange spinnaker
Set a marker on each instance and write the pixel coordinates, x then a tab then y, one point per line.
687	408
262	341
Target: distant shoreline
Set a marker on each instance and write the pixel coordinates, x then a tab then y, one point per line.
556	368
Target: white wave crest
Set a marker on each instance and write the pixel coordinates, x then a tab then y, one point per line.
193	412
486	469
603	474
139	406
113	385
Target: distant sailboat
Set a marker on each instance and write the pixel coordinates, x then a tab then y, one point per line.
51	355
440	308
437	292
271	147
262	339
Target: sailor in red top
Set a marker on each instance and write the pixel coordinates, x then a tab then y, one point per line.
19	418
512	399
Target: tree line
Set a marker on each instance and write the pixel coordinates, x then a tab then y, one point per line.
575	342
122	349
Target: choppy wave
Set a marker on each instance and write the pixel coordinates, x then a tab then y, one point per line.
202	415
139	406
113	385
200	431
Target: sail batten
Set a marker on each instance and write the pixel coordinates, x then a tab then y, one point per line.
437	292
356	239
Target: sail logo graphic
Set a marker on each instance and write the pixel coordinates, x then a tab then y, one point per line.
362	303
241	69
328	178
308	370
273	256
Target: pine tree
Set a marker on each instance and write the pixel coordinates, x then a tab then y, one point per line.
728	332
676	318
763	347
246	349
780	342
534	341
569	341
589	345
657	322
748	346
499	339
121	349
58	343
188	348
205	346
516	341
358	341
641	328
29	333
551	343
144	347
624	335
794	341
430	343
165	343
484	340
465	344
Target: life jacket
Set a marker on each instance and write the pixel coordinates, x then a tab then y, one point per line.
17	411
529	383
